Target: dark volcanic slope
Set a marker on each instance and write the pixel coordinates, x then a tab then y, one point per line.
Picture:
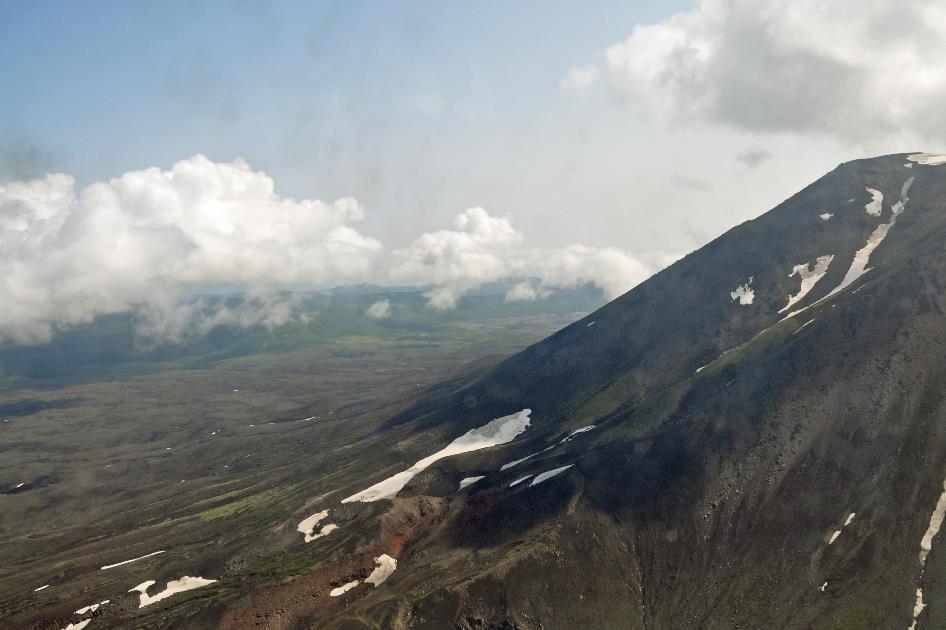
709	499
746	469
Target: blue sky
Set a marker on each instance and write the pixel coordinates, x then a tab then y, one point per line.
558	142
128	85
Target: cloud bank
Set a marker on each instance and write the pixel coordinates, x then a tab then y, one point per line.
147	241
848	68
483	248
141	240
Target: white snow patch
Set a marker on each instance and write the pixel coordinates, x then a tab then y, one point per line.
926	545
494	433
876	204
799	329
548	474
908	165
918	606
847	521
186	583
384	567
810	275
743	293
325	531
862	256
78	626
936	522
307	526
825	216
118	564
44	586
823	586
516	462
469	481
344	588
578	432
928	159
859	264
519	480
91	607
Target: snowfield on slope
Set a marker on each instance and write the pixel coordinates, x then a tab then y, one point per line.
567	438
519	480
876	204
384	567
926	545
494	433
859	264
928	159
118	564
743	293
469	481
307	526
548	474
92	607
810	275
862	257
344	588
173	587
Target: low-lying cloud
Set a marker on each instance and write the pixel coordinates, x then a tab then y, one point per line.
848	68
147	241
483	248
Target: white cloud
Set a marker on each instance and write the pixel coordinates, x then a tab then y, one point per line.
484	248
847	68
147	241
527	291
578	80
479	249
149	236
381	309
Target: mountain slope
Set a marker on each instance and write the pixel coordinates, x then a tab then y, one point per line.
709	498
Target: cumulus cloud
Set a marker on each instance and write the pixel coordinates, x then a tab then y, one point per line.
527	291
148	236
848	68
168	318
483	248
381	309
480	249
753	157
148	241
578	80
